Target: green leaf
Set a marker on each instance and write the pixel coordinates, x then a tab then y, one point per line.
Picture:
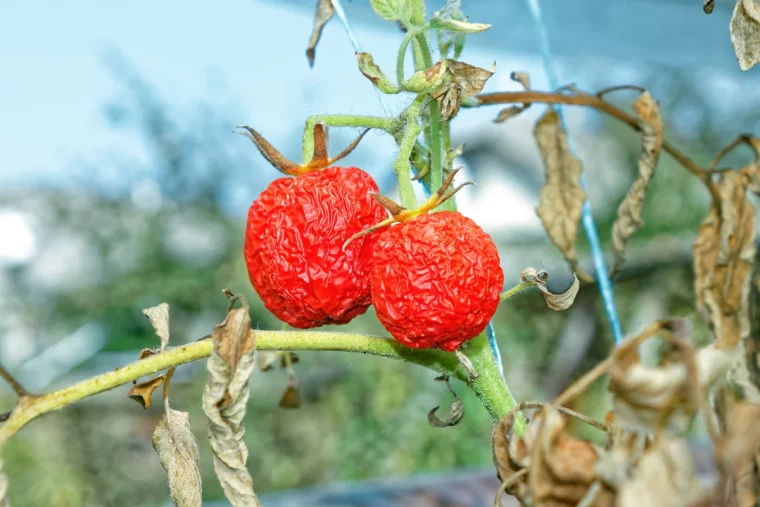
371	71
458	26
427	80
393	10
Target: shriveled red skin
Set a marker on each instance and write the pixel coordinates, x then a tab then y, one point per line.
293	246
436	280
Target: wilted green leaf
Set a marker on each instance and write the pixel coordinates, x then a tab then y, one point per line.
175	444
458	26
629	213
393	10
562	197
745	33
325	11
371	71
427	80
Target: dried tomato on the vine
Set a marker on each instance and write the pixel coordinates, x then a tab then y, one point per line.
295	233
436	277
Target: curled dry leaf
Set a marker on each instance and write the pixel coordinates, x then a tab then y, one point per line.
557	302
465	81
325	11
511	454
629	212
371	71
650	398
159	319
665	475
224	402
291	398
562	467
524	79
562	197
456	409
738	454
143	393
175	444
745	32
724	255
456	412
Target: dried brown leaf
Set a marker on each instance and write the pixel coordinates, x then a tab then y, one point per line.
291	398
465	81
666	395
665	475
143	393
745	33
175	444
146	353
159	319
325	11
224	402
562	467
629	212
511	454
562	197
557	302
739	450
471	79
724	255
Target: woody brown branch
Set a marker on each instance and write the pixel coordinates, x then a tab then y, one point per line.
15	385
593	101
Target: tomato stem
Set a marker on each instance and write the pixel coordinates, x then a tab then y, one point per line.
509	293
340	120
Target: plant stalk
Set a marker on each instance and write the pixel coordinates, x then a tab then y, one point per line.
489	388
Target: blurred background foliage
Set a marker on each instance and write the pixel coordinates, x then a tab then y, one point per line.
107	251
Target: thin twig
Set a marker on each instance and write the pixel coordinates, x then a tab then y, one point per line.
602	93
508	483
15	385
740	140
584	99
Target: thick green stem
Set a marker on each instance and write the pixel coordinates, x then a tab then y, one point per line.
489	386
30	407
340	120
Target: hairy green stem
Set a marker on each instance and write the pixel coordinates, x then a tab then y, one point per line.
488	386
401	57
402	166
515	290
340	120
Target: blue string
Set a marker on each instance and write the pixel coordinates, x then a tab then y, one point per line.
605	287
357	48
